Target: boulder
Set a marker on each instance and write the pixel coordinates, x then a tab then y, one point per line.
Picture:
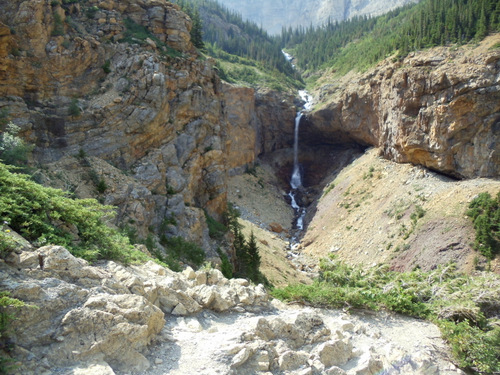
335	353
291	360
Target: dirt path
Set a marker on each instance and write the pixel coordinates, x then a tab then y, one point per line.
204	344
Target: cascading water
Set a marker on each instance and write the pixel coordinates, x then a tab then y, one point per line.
296	179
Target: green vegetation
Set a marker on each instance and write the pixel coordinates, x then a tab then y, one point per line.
58	29
74	110
8	305
47	216
136	33
216	230
13	150
179	250
464	307
91	11
247	54
247	262
226	267
328	188
197	27
107	67
485	213
360	42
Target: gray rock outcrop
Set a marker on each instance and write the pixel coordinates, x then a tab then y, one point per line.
105	316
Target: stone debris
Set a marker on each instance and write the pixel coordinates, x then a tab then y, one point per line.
145	319
107	313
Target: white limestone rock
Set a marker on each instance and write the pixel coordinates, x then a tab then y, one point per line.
291	360
335	353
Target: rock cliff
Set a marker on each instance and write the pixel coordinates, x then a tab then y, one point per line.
439	109
120	85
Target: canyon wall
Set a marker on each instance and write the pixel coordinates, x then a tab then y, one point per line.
117	90
439	109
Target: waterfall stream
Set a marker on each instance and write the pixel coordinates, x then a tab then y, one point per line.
296	179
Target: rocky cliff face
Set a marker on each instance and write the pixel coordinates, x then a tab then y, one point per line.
274	15
120	84
439	109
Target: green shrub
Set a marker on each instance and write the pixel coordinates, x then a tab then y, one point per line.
417	214
101	186
74	110
13	150
36	212
178	249
485	213
58	29
8	305
91	11
475	348
107	67
136	33
226	267
216	230
463	306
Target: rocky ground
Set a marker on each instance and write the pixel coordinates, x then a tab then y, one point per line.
350	200
298	340
365	216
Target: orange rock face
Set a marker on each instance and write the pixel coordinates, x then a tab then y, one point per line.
439	109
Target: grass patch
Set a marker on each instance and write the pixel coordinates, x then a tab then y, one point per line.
136	33
464	307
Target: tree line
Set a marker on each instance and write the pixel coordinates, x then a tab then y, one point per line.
361	41
225	32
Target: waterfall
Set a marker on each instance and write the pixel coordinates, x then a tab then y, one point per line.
296	179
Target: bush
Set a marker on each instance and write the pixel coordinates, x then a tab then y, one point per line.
8	305
216	230
40	214
178	249
74	110
485	213
475	348
107	67
136	33
13	150
226	267
58	29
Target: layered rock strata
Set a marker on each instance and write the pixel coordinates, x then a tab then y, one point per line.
120	86
439	109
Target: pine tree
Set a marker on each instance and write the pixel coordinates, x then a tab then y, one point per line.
196	30
252	254
482	27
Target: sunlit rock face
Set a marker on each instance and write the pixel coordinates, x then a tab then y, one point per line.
439	109
274	15
151	116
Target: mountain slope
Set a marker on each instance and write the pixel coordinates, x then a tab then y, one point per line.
274	15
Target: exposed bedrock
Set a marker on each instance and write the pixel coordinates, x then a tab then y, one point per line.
439	109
